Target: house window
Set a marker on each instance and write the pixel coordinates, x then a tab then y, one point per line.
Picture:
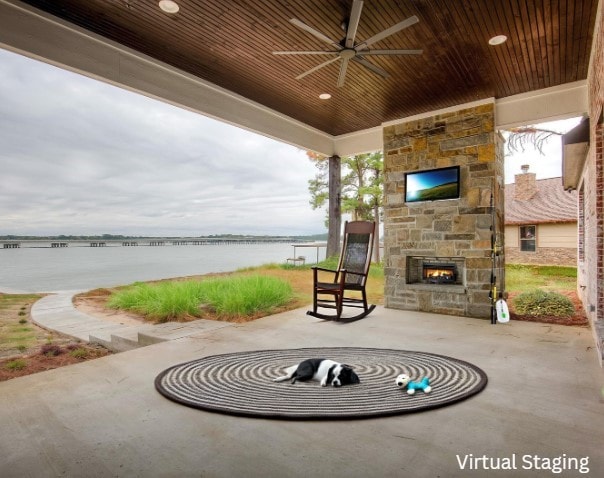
528	242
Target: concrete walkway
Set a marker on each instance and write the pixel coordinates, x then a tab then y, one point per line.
543	408
57	312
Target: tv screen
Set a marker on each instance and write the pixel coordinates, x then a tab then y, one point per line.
432	185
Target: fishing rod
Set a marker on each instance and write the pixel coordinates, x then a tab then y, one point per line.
493	291
499	308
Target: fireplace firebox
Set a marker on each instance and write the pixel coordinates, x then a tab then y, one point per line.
439	273
435	270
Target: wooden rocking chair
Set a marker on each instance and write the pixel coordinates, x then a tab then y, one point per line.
351	275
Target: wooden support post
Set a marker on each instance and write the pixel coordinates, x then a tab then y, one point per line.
335	217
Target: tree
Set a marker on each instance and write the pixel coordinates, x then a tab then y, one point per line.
319	185
362	194
520	137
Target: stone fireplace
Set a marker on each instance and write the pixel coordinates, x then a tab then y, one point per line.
438	252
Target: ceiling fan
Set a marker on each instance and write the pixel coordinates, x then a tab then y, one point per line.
347	50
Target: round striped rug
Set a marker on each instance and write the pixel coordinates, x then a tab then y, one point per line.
242	383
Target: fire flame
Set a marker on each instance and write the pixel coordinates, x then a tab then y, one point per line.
439	273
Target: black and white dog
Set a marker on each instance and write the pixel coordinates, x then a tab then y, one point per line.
325	371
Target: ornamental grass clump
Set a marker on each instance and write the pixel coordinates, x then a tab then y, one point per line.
16	365
537	303
159	302
224	297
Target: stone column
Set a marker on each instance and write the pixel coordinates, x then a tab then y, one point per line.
458	229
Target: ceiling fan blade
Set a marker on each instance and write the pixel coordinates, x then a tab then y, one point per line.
390	31
314	32
390	52
376	69
305	53
343	68
312	70
353	22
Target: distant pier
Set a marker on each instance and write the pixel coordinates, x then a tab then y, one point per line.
133	242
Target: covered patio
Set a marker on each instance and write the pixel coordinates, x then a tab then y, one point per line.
104	418
544	398
430	84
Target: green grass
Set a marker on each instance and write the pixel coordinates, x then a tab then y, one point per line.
376	270
520	278
15	335
229	297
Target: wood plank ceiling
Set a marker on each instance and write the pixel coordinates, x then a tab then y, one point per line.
230	43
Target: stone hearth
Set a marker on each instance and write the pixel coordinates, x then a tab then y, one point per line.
451	231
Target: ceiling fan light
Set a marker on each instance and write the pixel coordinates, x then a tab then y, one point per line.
325	96
169	6
497	40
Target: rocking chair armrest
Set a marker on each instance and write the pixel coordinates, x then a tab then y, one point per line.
315	273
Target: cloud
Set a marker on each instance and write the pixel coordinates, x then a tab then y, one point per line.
82	157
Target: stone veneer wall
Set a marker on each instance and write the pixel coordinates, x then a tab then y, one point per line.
449	228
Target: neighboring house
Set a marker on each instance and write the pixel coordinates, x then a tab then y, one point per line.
540	221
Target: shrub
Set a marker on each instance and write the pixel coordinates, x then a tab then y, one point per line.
539	303
14	365
51	350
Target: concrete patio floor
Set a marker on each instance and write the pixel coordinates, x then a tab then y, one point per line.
104	418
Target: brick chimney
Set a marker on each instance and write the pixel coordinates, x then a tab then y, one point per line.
526	184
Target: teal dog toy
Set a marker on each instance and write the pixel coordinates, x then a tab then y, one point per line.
404	381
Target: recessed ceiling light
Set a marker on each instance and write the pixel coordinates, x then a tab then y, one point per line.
498	40
324	96
169	6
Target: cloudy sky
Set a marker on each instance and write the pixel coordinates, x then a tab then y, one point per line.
78	156
545	164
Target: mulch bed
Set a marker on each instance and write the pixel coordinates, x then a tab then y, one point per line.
40	362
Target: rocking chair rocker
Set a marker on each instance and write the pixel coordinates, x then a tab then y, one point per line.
351	275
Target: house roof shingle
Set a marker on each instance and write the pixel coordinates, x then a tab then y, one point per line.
551	204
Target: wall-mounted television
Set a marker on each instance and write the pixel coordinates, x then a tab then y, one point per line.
432	184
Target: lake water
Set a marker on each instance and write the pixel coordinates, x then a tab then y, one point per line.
69	268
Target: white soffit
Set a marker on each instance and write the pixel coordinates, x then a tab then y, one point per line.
549	104
365	141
